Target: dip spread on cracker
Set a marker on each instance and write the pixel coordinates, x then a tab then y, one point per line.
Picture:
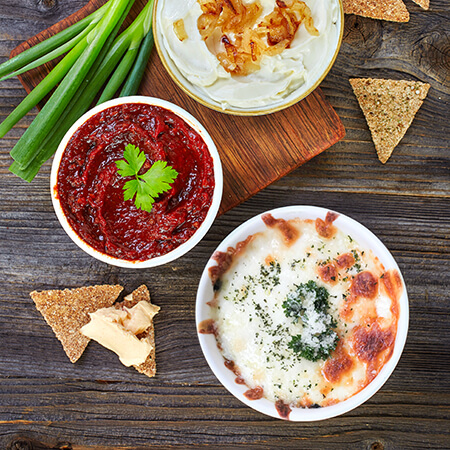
123	329
78	315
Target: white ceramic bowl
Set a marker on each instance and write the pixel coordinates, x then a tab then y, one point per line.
214	357
195	238
314	78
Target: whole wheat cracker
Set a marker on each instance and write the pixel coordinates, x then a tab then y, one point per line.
392	10
148	367
389	107
67	311
425	4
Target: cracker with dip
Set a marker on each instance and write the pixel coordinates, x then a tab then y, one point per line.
78	315
127	329
66	311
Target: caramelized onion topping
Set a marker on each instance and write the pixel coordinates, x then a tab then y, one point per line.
239	38
178	28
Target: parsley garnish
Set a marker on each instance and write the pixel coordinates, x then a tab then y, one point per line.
147	187
309	303
322	351
293	306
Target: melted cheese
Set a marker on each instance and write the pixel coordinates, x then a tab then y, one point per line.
254	332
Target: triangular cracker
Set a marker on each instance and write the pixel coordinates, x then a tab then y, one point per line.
425	4
148	367
68	310
389	107
393	10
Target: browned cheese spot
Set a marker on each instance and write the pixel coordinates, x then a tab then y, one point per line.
326	228
372	345
283	409
364	285
328	273
339	365
393	284
306	401
254	394
345	261
207	326
225	259
288	231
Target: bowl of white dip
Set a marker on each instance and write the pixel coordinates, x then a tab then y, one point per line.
302	313
281	80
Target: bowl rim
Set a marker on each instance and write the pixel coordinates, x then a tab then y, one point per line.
243	112
215	358
201	231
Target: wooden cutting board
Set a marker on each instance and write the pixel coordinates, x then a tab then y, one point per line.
255	151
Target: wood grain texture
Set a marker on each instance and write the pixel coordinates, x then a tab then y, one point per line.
47	402
267	147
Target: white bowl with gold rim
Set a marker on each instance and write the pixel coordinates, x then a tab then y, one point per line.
279	83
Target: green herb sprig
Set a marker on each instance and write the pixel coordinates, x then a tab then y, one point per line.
321	351
317	345
147	187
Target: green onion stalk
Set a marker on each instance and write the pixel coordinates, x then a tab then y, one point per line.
95	57
54	42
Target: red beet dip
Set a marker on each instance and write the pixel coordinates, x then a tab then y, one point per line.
90	189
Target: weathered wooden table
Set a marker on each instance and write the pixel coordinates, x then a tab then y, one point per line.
47	402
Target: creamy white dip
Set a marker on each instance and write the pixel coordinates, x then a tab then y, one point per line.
279	76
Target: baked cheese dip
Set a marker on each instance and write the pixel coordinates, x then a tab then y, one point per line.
303	315
249	53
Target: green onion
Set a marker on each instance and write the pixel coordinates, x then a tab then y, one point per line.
43	88
53	54
23	151
128	44
119	75
44	47
134	79
139	28
78	106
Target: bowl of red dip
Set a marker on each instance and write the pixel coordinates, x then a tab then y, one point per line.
88	191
